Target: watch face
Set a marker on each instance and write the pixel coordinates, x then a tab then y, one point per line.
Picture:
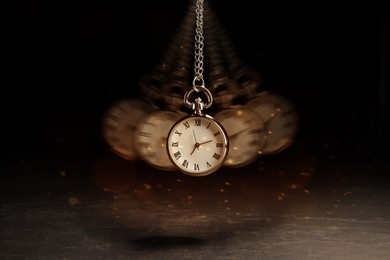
197	145
118	123
280	120
242	126
150	137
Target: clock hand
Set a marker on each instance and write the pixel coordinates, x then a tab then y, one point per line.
238	133
205	142
196	146
196	142
194	135
257	130
271	118
264	142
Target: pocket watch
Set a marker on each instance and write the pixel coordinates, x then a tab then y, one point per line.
280	121
150	137
197	144
118	124
242	126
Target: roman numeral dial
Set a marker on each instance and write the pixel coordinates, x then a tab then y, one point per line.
201	147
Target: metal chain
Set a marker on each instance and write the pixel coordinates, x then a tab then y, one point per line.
198	66
198	82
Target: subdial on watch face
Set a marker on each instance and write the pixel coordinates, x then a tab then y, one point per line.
197	145
118	123
280	119
150	137
242	126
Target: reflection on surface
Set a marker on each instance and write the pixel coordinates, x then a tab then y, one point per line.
161	203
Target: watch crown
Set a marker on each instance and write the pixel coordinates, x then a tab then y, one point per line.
198	106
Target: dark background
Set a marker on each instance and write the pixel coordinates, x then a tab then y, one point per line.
69	62
64	194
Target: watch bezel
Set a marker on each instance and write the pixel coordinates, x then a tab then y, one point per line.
225	149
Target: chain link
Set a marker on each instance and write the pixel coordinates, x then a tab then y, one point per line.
199	38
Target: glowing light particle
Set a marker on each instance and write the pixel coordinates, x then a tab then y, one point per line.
73	201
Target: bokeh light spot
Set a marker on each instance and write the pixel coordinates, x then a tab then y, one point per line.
73	201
